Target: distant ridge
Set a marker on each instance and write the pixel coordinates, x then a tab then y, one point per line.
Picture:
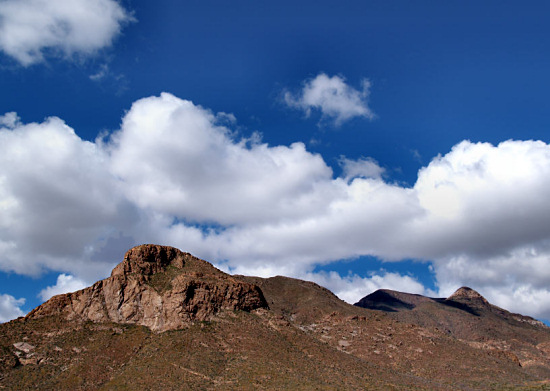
468	316
391	301
466	299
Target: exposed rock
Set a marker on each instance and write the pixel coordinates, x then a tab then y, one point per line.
529	320
467	294
343	343
23	346
31	360
159	287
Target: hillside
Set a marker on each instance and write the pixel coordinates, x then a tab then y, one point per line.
165	320
467	316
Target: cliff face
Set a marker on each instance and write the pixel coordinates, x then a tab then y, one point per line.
158	287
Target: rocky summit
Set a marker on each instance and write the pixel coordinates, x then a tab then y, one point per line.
468	295
159	287
166	320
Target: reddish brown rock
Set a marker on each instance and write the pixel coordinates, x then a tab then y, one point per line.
159	287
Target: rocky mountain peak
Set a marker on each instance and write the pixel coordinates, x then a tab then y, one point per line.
467	294
149	259
159	287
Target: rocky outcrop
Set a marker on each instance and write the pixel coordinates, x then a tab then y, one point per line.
159	287
468	295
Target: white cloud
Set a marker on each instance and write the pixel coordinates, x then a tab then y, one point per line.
517	280
176	174
58	201
10	308
333	98
65	284
30	29
175	158
10	120
102	72
352	288
483	201
362	168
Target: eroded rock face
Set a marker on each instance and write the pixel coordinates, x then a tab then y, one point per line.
159	287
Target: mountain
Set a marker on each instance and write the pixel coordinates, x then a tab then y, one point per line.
158	287
467	316
165	320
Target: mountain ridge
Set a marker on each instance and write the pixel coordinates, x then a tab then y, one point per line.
186	324
464	298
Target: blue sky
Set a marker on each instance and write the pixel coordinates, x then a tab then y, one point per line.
363	145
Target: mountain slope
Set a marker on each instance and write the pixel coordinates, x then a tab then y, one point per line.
469	317
145	328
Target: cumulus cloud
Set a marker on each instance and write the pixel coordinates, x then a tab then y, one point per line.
30	29
65	284
175	158
10	308
335	99
175	173
58	201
